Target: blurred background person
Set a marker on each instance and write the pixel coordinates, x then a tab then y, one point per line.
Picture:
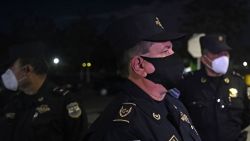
216	96
41	110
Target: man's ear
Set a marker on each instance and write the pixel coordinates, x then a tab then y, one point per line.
137	66
28	68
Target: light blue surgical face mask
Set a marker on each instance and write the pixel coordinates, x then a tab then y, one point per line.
10	81
219	65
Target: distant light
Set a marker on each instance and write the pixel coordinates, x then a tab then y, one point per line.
84	65
245	64
56	60
89	64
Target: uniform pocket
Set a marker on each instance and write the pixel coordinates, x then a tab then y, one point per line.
47	127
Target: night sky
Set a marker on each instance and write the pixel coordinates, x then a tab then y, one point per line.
97	11
64	11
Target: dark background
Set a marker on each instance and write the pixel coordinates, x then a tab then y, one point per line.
72	29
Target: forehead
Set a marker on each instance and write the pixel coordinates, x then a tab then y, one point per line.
217	54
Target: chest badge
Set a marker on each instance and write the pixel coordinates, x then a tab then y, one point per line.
43	109
233	93
227	80
184	118
156	116
248	92
203	80
74	110
40	99
173	138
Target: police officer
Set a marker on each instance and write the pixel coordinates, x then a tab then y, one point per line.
41	111
216	96
145	110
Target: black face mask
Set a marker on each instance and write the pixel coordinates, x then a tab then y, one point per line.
168	70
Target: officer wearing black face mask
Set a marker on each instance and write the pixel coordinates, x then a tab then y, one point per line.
146	109
216	96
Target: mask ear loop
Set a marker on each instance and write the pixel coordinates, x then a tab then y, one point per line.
209	61
141	60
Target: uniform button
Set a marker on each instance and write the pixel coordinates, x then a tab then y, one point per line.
218	100
222	106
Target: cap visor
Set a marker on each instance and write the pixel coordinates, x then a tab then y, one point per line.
165	36
220	48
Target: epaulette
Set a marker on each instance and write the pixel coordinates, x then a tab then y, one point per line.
60	91
125	112
237	74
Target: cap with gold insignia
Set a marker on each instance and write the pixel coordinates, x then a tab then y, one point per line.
214	43
126	32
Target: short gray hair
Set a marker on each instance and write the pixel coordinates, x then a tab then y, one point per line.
139	49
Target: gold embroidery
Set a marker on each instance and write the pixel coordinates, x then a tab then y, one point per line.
158	23
157	116
123	112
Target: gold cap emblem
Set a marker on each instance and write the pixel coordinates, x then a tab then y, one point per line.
158	23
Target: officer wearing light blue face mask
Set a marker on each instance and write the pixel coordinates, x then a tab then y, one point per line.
216	96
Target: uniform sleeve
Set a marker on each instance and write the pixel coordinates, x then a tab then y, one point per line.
116	123
116	132
75	123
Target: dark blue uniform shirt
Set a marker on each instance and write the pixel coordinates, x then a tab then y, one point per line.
134	116
53	114
218	106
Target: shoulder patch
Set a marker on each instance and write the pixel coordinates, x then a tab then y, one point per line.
237	74
74	110
125	112
60	91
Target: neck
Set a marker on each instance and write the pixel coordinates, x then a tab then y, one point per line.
35	84
155	91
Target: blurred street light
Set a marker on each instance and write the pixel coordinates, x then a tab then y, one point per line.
245	64
56	60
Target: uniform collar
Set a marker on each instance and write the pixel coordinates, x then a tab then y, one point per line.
154	109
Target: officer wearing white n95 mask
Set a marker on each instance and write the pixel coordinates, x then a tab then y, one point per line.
216	96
